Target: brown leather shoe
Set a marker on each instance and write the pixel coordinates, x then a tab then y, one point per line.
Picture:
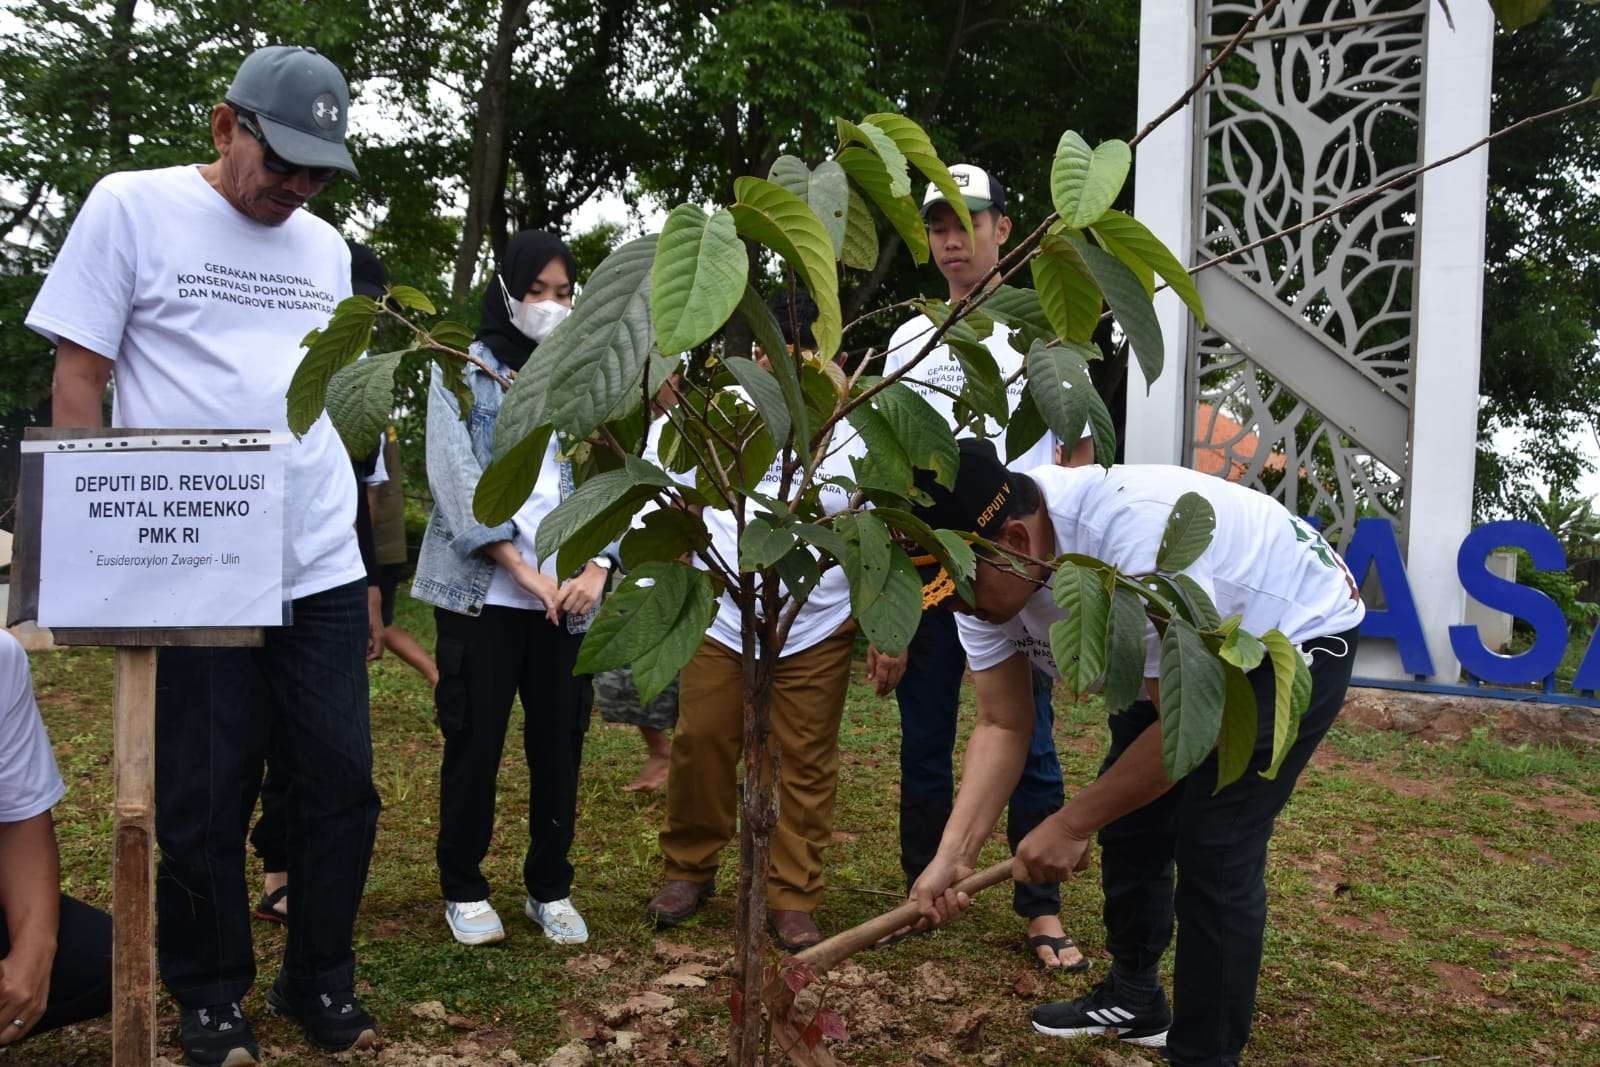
677	900
794	930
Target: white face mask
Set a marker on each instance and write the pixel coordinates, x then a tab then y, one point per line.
534	321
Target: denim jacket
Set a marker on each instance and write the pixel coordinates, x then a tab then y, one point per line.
451	571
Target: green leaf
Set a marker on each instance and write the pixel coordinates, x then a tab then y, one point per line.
952	552
1286	665
1188	533
1203	611
918	149
883	146
860	249
1236	740
453	371
594	498
775	217
1130	305
361	399
1084	182
763	544
1020	309
922	432
1068	293
885	464
451	334
1131	234
415	299
867	171
667	535
1191	699
508	480
597	353
1078	642
1515	14
654	623
1243	650
1025	427
328	351
800	573
866	562
766	394
825	190
1124	650
1058	379
1141	269
985	388
890	619
697	278
764	326
822	538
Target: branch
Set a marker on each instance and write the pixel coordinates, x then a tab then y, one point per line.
1410	175
1216	61
428	342
24	209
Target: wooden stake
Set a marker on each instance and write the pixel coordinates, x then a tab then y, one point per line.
133	966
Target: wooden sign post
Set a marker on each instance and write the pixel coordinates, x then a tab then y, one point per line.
111	550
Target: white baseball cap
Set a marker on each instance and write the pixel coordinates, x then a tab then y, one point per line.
980	189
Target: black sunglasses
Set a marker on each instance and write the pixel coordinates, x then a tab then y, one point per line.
276	163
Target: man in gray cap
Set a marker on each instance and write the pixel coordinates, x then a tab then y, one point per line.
194	286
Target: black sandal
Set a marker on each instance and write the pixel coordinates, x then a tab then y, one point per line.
267	907
1038	941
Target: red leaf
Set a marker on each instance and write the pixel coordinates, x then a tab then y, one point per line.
832	1025
812	1034
736	1006
798	975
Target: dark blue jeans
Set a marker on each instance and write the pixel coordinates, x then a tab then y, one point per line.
217	709
929	696
1218	846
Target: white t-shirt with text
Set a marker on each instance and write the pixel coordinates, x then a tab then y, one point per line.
29	782
202	310
940	367
1263	563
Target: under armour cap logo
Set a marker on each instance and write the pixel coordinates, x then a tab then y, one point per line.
325	111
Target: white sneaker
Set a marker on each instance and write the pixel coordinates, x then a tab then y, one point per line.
560	920
474	922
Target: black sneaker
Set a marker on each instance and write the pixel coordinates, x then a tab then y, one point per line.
218	1036
334	1022
1101	1013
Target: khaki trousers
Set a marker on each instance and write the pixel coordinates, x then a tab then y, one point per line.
702	786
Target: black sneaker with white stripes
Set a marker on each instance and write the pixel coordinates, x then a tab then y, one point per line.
1102	1012
217	1036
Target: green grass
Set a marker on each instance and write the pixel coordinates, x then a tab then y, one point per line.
1427	901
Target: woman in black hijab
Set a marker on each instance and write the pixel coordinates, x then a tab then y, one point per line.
507	625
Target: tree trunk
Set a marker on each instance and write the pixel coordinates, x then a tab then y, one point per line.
119	123
487	169
758	817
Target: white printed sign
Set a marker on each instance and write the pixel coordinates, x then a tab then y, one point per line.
162	539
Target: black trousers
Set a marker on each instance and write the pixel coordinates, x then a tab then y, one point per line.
305	692
1218	845
484	663
80	976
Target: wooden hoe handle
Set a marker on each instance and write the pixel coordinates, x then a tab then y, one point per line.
841	946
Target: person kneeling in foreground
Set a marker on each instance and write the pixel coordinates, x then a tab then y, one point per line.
55	952
1262	563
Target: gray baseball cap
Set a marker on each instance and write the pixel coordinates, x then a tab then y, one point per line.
301	102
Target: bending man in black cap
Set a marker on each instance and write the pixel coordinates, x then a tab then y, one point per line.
194	285
1264	564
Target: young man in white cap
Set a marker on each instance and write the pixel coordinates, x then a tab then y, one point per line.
194	285
1263	564
929	694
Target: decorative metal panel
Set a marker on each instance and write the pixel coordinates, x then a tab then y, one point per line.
1320	102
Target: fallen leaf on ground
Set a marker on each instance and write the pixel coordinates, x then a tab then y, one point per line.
1027	985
